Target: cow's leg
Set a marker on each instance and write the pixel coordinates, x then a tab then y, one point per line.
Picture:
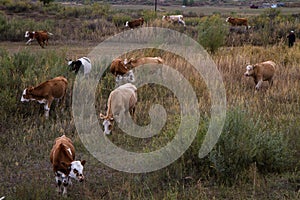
258	85
65	190
29	41
47	107
271	82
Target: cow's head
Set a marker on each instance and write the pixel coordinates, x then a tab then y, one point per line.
27	94
77	170
108	122
249	70
74	65
29	34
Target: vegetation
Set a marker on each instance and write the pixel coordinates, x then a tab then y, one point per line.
256	157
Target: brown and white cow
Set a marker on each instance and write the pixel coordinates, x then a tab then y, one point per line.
237	21
174	19
121	100
260	72
121	72
41	37
135	23
46	92
62	157
132	63
118	67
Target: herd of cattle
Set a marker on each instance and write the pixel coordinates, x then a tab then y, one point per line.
121	100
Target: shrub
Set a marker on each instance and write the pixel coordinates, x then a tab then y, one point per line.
245	141
211	33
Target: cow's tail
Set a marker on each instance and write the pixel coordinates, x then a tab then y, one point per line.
50	33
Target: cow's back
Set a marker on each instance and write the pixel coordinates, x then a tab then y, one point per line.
57	86
266	69
123	98
57	153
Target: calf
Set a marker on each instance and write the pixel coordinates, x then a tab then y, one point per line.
82	64
62	157
135	23
174	19
46	92
118	67
237	21
261	72
121	100
41	37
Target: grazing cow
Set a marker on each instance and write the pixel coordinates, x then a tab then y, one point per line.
132	63
121	100
135	23
174	19
118	67
83	64
261	72
41	37
46	92
62	157
237	21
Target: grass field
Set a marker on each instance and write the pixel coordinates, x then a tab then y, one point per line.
257	154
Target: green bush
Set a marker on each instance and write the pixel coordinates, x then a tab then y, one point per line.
245	141
211	33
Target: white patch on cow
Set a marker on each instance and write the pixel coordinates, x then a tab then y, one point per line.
79	168
43	101
106	124
26	34
70	62
249	67
125	61
86	63
69	150
22	98
126	25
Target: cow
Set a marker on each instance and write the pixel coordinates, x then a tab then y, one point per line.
46	92
121	72
237	21
174	19
41	37
82	64
260	72
62	158
121	100
135	23
132	63
118	67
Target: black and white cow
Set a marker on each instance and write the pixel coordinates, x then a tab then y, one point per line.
83	64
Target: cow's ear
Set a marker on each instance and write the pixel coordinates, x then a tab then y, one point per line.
254	66
102	116
30	89
83	162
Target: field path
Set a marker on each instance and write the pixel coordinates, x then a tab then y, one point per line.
72	50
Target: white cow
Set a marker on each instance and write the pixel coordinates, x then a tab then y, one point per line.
82	64
174	18
121	101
